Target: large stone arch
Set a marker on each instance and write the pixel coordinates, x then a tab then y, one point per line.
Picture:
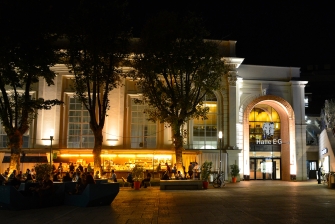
286	114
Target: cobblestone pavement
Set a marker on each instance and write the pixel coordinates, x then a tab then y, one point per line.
243	202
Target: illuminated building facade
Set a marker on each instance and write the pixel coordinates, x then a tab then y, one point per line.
260	111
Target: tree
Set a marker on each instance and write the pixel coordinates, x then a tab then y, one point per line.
329	113
26	54
175	68
98	41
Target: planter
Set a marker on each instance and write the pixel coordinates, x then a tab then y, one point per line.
137	185
205	184
233	179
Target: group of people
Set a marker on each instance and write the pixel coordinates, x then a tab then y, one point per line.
193	170
16	178
44	187
143	182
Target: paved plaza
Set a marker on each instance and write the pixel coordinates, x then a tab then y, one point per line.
243	202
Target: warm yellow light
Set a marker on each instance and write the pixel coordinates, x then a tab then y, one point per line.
76	155
126	155
69	155
85	155
108	155
162	156
144	155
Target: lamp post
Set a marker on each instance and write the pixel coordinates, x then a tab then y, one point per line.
220	138
51	131
51	138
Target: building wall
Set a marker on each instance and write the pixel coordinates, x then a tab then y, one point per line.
244	86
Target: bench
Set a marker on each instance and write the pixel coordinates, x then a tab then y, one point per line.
181	184
11	198
94	195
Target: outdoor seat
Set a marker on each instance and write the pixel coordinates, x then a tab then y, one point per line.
147	183
124	181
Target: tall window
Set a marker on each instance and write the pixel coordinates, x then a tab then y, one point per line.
4	139
205	131
143	132
79	131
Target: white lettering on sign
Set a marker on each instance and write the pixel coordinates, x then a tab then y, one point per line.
267	142
324	151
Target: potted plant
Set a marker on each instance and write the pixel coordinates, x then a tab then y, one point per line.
234	171
137	174
205	171
41	170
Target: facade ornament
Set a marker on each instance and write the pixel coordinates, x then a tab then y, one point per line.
232	78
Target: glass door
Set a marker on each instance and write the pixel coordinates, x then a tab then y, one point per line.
264	169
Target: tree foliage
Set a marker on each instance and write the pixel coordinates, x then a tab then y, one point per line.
329	113
98	42
175	68
26	54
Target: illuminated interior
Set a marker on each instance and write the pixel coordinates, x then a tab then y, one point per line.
259	116
120	162
205	130
264	154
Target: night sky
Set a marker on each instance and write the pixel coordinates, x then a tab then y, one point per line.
267	33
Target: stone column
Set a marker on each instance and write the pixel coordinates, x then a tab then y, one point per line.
298	104
232	78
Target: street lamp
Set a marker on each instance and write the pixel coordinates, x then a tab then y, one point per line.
51	131
220	138
51	138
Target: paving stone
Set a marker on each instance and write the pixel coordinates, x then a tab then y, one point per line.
244	202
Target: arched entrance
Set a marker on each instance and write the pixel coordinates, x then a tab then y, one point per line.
268	155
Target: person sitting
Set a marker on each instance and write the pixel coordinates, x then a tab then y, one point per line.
4	178
179	176
67	177
76	177
146	180
89	179
45	189
56	177
12	175
33	173
15	182
166	176
130	179
97	175
29	179
80	186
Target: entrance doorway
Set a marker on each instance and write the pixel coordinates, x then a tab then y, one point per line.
265	169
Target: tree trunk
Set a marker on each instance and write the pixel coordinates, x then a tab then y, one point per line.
98	138
178	146
15	145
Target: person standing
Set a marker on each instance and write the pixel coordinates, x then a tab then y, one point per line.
89	168
60	168
71	167
114	179
190	170
159	168
168	169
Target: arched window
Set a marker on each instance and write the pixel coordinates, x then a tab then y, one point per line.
264	124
